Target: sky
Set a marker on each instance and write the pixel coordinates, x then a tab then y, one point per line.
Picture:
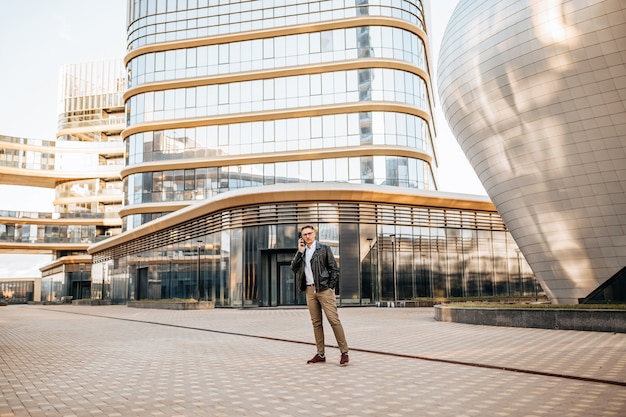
38	37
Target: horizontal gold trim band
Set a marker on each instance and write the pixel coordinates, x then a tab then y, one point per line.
42	248
160	207
96	128
63	222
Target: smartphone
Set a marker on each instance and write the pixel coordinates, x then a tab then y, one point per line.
300	240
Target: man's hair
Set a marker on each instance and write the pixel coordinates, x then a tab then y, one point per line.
308	226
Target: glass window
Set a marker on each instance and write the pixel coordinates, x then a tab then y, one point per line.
316	127
268	174
315	42
316	84
202	56
281	132
222	93
222	135
235	52
303	86
302	43
341	169
328	88
268	134
268	48
328	126
326	39
159	61
281	172
304	131
190	99
338	40
292	86
268	89
303	171
190	180
223	54
317	170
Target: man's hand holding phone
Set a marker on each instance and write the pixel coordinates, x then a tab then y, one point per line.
301	244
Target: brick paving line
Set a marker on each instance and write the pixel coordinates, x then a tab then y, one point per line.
371	351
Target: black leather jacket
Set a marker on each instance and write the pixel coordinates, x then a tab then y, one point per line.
323	265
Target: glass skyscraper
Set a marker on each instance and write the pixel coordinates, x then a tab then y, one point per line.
252	93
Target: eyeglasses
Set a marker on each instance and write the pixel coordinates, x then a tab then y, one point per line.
307	234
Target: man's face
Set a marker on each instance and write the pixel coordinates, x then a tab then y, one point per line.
308	235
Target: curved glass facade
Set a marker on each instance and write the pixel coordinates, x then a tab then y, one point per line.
27	153
295	134
201	183
278	52
337	100
26	228
329	88
277	107
399	253
156	21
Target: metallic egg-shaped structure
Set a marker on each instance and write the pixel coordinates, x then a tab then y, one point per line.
535	93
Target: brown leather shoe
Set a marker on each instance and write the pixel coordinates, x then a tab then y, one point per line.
317	358
344	359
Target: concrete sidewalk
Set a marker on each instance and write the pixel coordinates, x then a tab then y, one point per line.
72	360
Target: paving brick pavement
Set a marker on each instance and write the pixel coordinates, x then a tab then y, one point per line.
118	361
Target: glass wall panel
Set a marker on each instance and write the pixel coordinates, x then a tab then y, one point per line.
350	264
439	262
230	288
178	22
406	289
486	272
202	141
19	291
391	254
388	259
421	259
185	185
472	267
500	263
456	279
341	87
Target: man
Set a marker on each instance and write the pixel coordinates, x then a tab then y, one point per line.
317	274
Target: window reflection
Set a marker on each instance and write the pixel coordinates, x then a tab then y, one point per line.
417	257
147	20
379	128
287	92
195	184
329	46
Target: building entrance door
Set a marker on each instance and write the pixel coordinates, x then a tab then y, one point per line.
142	284
288	291
81	290
278	285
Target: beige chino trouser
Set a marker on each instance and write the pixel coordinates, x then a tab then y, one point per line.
325	301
